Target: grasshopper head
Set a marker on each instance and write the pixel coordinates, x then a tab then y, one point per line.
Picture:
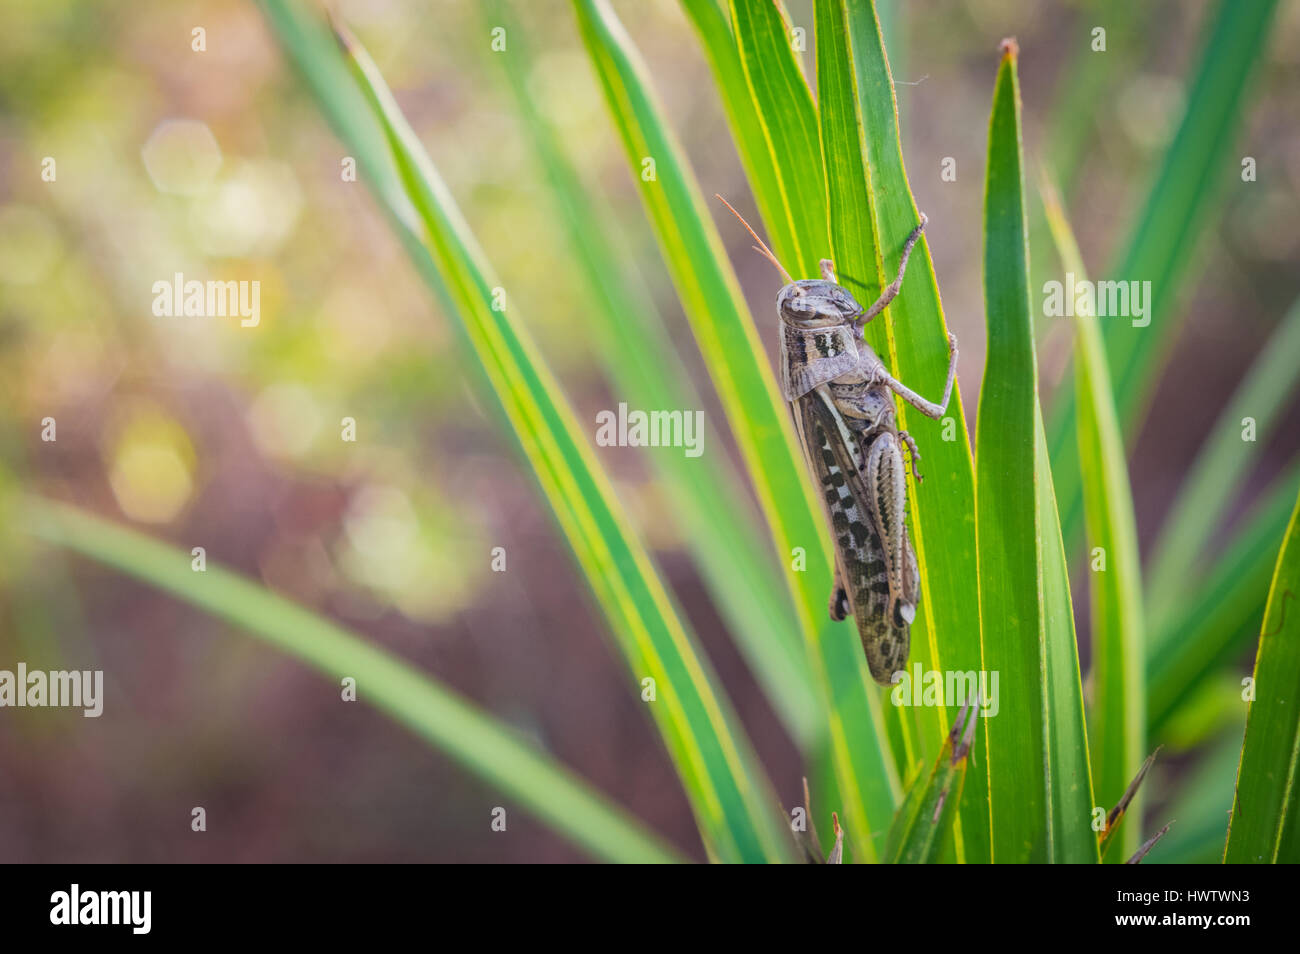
816	303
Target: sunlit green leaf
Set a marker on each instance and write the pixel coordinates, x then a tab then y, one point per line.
438	715
734	356
1040	791
1265	826
1118	717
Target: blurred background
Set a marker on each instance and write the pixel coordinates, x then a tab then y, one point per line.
217	164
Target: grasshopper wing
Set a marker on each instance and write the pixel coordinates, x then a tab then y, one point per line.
838	463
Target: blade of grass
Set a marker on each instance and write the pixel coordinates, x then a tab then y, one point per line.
1162	245
925	820
915	346
710	23
718	770
780	666
1040	797
788	118
1222	612
1065	741
788	227
310	46
892	20
1118	726
1123	808
779	91
1140	855
1220	469
1265	825
713	303
1202	807
473	738
778	98
1089	77
858	264
641	362
857	268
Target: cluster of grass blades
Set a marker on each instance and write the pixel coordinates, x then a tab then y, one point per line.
826	171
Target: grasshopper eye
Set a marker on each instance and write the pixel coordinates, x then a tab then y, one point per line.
799	305
847	304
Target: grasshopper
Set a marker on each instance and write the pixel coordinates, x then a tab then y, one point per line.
839	395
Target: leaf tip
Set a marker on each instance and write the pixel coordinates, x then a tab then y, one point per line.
1148	845
347	42
1009	48
836	857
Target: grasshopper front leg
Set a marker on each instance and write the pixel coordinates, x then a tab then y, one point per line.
892	289
928	408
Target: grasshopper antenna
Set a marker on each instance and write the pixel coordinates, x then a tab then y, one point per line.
760	248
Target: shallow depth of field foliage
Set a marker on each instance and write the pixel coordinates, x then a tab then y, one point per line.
1108	518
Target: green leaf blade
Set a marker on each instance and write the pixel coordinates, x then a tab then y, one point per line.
732	804
642	364
719	45
1220	468
1265	825
735	358
1221	612
1118	736
924	824
1040	797
473	738
1161	247
912	337
788	118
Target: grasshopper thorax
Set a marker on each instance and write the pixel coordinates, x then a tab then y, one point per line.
819	341
816	303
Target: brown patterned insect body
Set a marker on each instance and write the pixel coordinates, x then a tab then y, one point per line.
842	398
839	394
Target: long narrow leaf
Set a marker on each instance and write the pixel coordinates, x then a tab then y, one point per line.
734	356
1162	245
1221	614
1040	798
912	337
780	99
471	737
640	360
788	118
726	789
925	819
858	264
1265	824
719	45
1220	469
310	46
857	268
1203	806
788	229
1065	760
1117	737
